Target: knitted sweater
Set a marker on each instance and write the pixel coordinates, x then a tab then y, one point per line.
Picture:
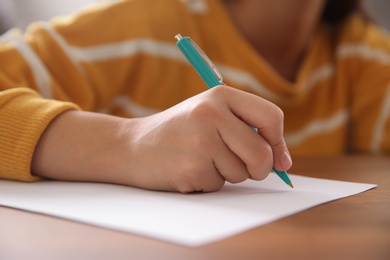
121	59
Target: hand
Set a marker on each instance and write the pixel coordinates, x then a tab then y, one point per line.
196	145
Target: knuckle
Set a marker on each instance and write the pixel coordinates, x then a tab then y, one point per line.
184	188
218	185
263	174
205	111
274	131
261	164
195	178
210	106
239	178
277	114
220	91
264	152
190	176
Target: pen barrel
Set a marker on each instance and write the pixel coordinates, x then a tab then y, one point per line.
201	67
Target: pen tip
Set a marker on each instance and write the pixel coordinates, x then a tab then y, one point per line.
291	185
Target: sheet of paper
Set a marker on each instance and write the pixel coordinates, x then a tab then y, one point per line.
187	219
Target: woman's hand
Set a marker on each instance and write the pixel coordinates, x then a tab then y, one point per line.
196	145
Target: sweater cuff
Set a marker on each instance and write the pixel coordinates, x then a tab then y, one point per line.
24	116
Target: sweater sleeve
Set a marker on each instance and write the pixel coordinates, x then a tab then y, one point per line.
34	91
43	73
24	116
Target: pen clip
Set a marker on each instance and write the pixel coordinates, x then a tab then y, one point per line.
205	58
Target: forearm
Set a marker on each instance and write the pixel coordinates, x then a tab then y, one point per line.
82	146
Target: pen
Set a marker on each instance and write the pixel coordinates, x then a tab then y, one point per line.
211	76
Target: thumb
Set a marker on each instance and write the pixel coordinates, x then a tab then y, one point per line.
281	155
282	158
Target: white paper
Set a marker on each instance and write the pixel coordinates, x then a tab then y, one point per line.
187	219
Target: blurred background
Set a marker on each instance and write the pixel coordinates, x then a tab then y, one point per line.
380	10
19	13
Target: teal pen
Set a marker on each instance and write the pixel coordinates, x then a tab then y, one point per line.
211	76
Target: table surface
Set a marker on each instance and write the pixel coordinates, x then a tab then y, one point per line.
357	227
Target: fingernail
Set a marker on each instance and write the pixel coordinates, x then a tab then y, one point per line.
285	160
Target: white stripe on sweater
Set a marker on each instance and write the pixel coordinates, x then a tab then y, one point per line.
363	51
241	77
317	127
38	69
127	48
64	45
196	6
319	75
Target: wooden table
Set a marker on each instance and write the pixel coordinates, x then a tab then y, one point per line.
356	227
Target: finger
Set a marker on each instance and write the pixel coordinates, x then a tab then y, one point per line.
228	164
207	180
251	148
266	117
197	175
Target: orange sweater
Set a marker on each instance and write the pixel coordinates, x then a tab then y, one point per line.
121	59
